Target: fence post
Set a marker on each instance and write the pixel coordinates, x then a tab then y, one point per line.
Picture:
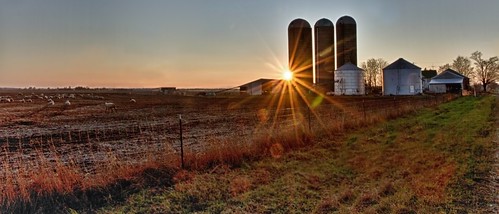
364	109
181	142
395	105
309	119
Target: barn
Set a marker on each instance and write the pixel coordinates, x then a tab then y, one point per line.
259	87
402	78
449	81
349	80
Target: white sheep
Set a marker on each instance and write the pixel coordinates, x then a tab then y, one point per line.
110	106
67	103
29	100
133	101
51	102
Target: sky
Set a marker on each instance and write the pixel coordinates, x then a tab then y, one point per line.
218	43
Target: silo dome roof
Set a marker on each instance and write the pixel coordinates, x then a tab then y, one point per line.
299	23
345	20
324	23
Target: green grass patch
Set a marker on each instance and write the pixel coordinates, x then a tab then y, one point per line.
429	162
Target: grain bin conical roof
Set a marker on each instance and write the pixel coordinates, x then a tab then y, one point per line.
349	67
401	64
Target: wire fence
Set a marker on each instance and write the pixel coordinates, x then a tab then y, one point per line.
133	139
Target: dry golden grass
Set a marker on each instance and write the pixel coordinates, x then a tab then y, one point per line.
53	176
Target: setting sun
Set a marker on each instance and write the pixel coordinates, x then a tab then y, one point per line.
287	75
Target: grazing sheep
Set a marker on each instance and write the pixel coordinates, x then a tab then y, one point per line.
29	100
50	102
5	99
67	103
133	101
110	106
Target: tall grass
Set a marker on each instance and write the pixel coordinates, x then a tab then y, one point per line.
29	182
430	162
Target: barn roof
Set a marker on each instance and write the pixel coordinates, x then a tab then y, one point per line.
449	74
258	81
401	64
349	67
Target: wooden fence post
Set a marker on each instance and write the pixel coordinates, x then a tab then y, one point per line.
181	142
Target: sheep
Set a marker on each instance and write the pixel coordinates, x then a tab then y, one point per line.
29	100
133	101
67	103
4	99
110	106
51	102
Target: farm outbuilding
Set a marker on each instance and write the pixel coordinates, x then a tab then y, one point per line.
449	81
168	90
349	80
402	78
259	87
426	78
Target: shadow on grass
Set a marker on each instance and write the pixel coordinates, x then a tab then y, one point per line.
89	200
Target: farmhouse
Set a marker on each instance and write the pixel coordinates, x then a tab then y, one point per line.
260	86
168	90
449	81
349	80
402	78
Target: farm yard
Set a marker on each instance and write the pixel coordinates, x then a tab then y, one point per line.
58	148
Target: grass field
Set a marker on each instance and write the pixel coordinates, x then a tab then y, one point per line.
429	162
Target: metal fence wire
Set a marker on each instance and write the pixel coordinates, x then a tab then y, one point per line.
197	130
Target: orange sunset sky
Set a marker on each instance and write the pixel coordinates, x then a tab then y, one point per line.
220	43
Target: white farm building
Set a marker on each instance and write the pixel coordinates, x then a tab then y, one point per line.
260	86
449	81
402	78
349	80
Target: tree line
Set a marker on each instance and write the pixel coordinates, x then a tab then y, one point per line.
476	67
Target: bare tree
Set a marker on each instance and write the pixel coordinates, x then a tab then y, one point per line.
463	65
381	64
444	67
487	71
373	69
370	69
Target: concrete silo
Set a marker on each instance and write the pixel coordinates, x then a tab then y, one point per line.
324	54
300	51
349	80
346	41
